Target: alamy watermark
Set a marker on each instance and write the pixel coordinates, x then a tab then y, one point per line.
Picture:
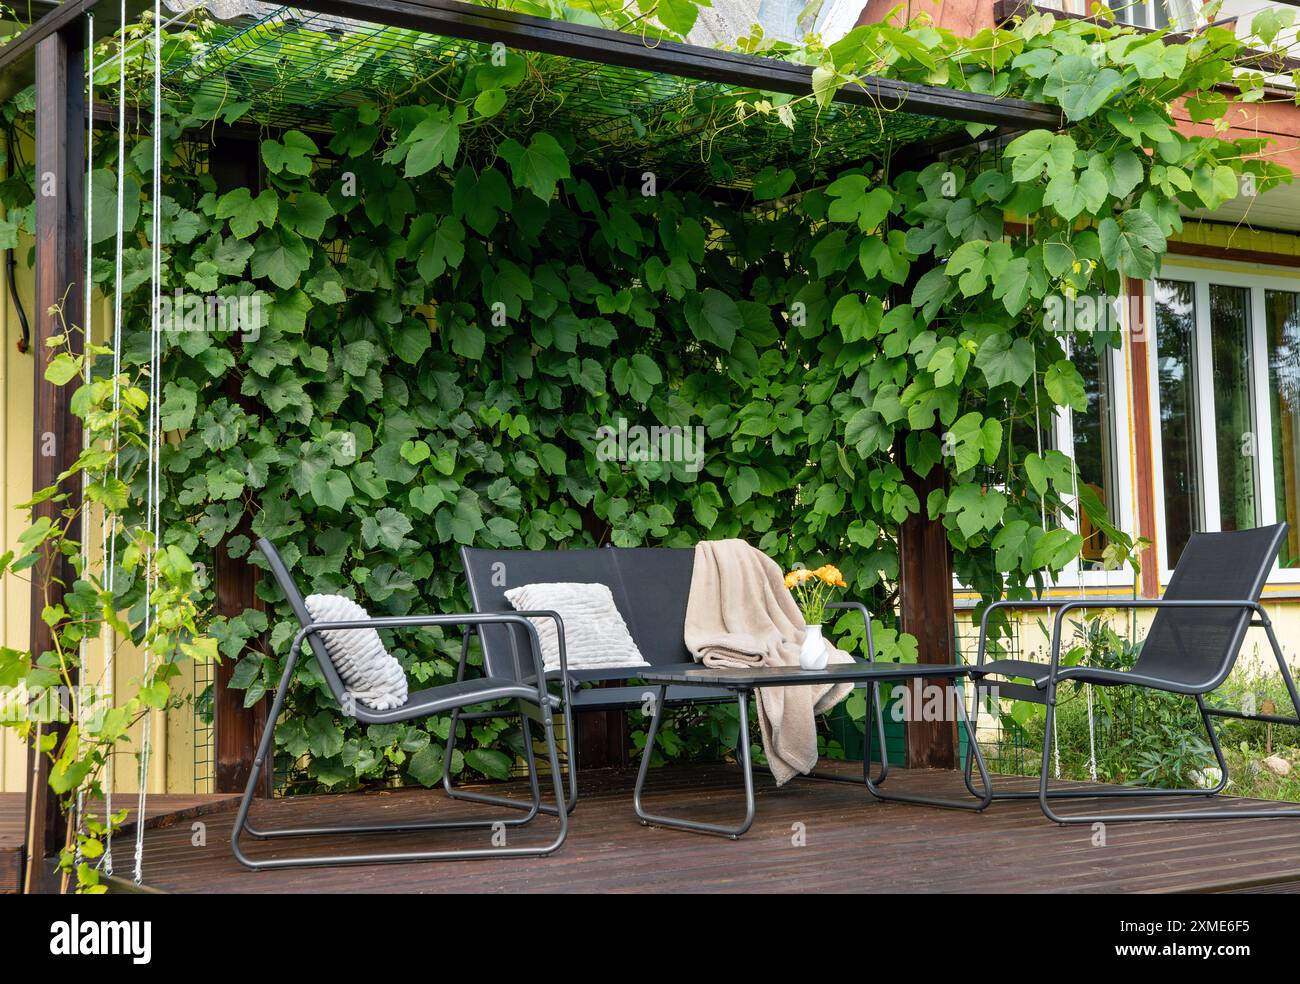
75	937
1067	314
635	443
931	702
184	311
48	705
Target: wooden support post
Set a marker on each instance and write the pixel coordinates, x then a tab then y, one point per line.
926	611
237	729
1140	338
925	602
601	738
233	163
60	269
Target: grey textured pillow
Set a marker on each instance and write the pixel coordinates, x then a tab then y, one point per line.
594	631
370	673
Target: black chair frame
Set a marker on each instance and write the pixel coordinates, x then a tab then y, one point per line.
533	703
1056	675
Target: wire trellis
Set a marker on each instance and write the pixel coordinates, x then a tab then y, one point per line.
296	69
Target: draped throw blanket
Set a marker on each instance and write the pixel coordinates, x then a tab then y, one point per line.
740	614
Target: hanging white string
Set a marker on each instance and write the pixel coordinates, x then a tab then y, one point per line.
153	517
86	317
1083	585
109	526
1038	440
1042	508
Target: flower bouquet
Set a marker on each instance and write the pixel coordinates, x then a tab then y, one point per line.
813	590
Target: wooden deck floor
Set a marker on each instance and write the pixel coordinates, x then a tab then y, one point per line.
159	811
851	844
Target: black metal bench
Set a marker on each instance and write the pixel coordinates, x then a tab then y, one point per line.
650	586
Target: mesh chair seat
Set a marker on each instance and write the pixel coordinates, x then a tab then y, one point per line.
1025	669
447	696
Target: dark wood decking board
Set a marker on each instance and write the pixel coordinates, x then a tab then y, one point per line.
852	844
11	841
159	811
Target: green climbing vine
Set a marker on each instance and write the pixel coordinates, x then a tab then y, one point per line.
437	310
62	701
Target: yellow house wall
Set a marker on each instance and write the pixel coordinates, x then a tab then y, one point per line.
1227	236
16	382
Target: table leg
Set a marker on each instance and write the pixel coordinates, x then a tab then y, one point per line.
746	766
981	801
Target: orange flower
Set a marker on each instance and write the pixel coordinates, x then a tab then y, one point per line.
800	575
830	574
812	590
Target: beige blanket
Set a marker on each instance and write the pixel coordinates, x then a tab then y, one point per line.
741	614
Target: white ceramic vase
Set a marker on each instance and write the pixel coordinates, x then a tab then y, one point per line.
813	655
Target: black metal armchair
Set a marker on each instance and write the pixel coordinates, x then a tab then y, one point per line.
511	678
1193	643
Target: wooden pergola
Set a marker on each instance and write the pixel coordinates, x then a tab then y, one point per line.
52	55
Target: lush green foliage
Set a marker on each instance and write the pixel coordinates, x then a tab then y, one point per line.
450	311
1132	735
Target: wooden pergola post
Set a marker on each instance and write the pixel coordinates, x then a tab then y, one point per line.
925	595
236	729
1144	457
60	269
925	606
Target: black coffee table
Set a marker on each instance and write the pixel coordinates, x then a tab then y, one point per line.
861	673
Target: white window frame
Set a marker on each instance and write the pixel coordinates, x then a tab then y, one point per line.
1139	13
1202	275
1122	506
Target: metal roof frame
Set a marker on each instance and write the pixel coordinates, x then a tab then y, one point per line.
454	19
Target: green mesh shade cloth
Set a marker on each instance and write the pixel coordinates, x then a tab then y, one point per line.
296	69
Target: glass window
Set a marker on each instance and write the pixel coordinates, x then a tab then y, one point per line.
1234	426
1180	14
1282	323
1175	304
1094	444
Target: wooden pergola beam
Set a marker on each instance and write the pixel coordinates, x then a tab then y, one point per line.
17	65
454	19
451	18
60	272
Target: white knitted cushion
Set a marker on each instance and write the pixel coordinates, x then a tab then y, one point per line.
372	676
594	631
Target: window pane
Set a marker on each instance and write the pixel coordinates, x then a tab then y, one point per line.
1282	318
1234	426
1094	444
1136	12
1180	14
1176	380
